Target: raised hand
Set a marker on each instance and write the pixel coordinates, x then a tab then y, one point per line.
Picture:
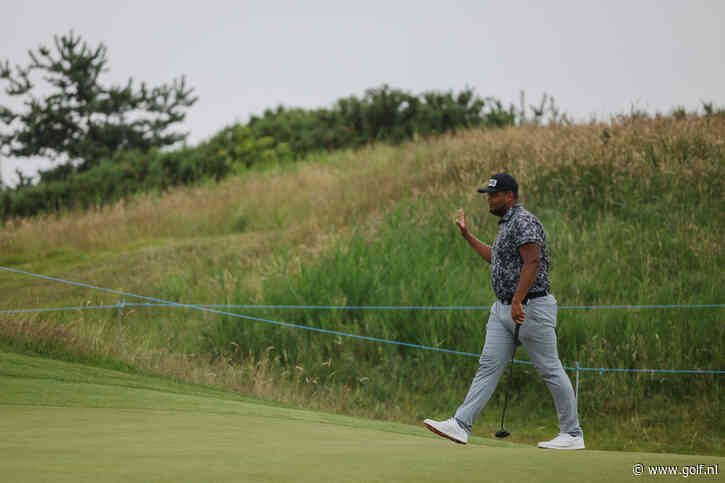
461	222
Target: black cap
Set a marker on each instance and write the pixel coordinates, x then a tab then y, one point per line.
501	182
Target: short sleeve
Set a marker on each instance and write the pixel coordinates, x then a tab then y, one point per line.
528	230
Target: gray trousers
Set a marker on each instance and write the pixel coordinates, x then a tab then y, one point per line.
538	336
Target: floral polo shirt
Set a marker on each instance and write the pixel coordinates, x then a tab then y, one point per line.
517	227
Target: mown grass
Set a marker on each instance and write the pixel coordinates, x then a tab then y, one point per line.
71	422
633	209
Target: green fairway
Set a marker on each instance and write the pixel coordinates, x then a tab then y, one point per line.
68	422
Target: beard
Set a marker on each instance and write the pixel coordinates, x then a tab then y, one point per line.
500	211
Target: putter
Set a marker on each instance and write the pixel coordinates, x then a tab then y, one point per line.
502	433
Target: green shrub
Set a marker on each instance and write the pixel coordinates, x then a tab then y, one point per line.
382	114
280	135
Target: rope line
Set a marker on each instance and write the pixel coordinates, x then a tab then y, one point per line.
361	307
161	302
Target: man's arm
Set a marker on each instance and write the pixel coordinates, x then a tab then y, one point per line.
531	256
480	247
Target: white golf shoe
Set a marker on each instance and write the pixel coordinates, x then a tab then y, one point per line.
564	441
448	429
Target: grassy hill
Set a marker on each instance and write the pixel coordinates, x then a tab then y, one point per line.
633	210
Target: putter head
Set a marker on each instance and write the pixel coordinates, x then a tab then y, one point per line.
502	433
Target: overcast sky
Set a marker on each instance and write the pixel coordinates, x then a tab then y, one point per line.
596	58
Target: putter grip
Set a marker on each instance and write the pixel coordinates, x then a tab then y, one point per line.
516	334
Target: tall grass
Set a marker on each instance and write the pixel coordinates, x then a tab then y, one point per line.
621	233
633	210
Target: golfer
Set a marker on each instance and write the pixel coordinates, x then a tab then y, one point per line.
519	264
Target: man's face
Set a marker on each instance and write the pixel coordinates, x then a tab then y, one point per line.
499	203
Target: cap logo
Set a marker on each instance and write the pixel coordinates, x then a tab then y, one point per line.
492	183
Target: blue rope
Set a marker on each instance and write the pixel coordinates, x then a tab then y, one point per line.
283	307
366	307
454	307
231	314
666	306
315	329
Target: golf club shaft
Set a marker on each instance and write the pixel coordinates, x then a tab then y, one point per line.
511	373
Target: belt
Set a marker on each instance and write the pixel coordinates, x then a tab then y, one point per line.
529	296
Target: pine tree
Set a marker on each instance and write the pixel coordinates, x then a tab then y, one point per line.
80	121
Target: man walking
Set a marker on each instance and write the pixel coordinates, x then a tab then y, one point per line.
519	262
